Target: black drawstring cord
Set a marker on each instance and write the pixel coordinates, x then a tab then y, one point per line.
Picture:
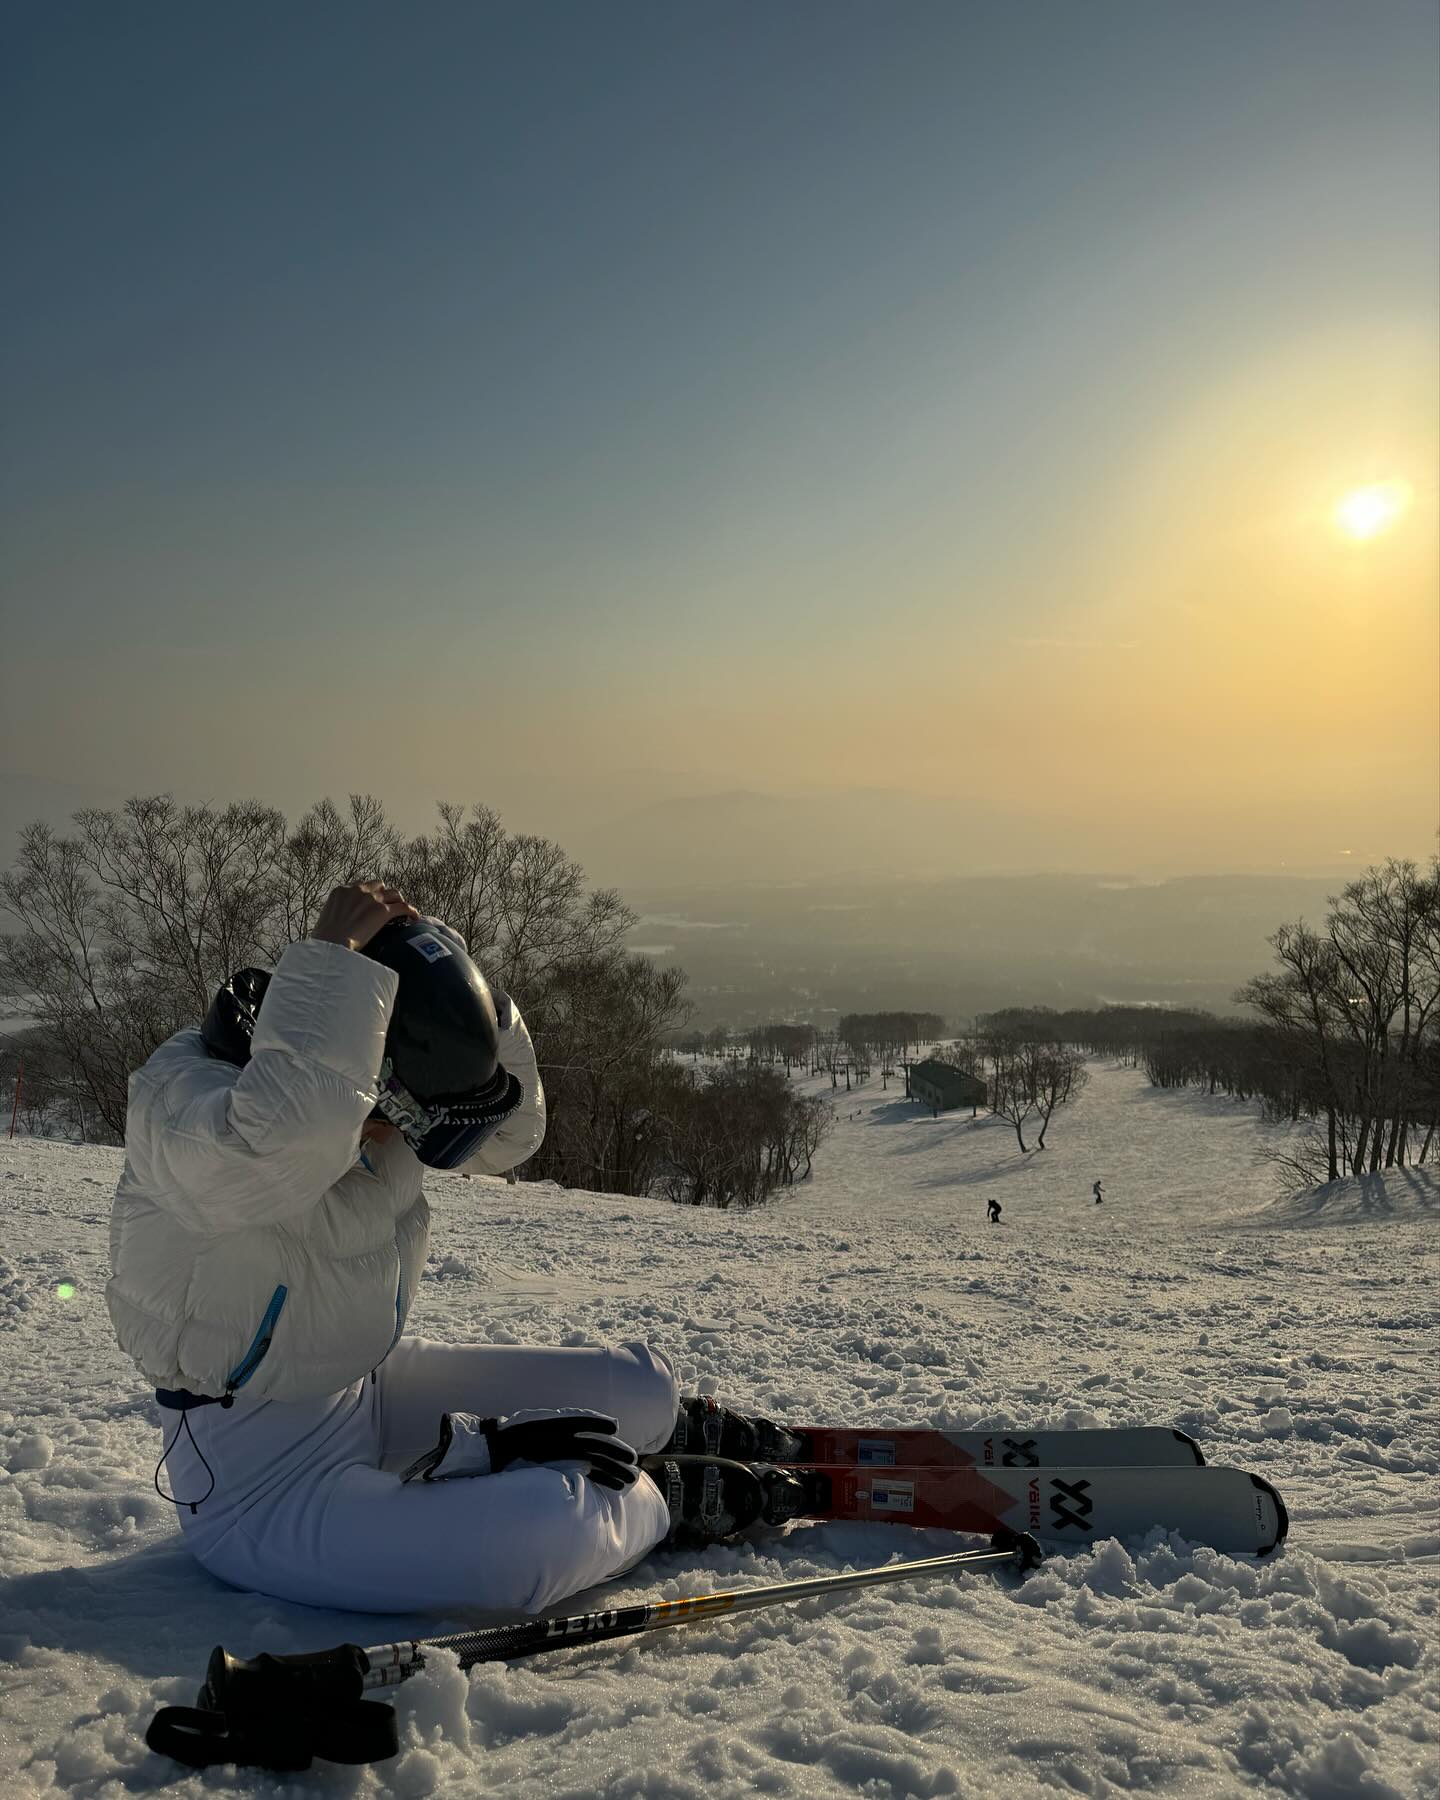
184	1426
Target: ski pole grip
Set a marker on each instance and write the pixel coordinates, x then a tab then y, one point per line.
318	1680
279	1712
361	1731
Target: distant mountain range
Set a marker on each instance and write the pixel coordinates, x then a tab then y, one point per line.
649	838
698	840
747	836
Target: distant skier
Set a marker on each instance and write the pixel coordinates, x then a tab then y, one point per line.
993	1208
1096	1191
268	1238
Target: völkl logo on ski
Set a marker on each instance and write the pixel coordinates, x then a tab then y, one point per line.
1070	1504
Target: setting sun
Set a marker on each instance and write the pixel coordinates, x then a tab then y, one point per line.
1367	511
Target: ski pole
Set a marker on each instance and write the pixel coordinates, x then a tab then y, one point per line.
279	1712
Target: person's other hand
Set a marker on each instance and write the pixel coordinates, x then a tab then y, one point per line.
353	914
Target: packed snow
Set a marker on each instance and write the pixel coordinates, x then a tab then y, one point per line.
1291	1335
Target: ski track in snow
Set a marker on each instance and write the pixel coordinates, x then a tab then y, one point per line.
1293	1337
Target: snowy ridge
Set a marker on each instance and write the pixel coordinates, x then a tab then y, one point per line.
876	1292
1392	1196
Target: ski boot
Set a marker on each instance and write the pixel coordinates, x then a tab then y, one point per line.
705	1428
711	1497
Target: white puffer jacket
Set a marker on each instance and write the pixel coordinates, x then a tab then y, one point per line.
252	1246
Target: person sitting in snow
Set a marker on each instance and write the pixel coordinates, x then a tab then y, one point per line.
268	1237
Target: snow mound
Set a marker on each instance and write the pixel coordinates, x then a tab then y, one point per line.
1392	1196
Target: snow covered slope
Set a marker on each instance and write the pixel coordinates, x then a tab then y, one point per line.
1295	1338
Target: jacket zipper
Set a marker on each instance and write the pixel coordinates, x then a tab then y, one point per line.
255	1355
399	1326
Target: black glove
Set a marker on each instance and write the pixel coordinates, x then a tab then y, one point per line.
471	1446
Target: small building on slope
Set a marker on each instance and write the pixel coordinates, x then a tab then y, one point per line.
943	1088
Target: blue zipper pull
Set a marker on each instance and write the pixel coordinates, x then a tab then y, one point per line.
255	1355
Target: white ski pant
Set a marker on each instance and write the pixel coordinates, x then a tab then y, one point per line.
307	1504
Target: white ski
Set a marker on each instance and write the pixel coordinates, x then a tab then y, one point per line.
1229	1509
927	1447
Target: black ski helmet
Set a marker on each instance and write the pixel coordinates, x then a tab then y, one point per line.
443	1037
441	1081
229	1025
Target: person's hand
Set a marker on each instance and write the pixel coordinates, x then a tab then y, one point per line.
471	1446
564	1434
353	914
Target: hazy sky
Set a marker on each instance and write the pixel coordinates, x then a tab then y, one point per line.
554	403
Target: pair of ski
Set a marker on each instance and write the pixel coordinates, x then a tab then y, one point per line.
1070	1487
1064	1487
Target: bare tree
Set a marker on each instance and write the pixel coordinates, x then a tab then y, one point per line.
519	901
189	887
1056	1074
1011	1096
125	928
734	1133
600	1026
1030	1076
831	1056
128	924
1355	1010
48	1104
327	849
